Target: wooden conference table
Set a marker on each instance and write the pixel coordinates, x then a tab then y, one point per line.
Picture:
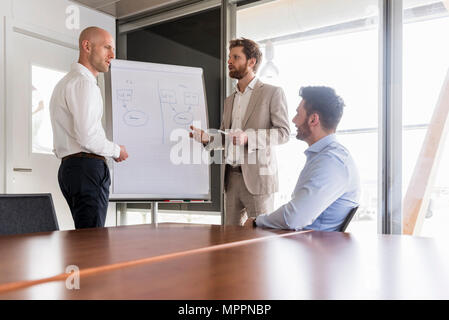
178	261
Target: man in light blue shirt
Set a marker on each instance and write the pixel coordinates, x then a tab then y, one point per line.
328	187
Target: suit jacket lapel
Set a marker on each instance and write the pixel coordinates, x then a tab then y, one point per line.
252	102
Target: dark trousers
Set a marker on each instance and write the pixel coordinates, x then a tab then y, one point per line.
85	182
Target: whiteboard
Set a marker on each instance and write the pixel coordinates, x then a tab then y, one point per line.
153	106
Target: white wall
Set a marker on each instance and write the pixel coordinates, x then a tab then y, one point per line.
2	109
5	9
51	16
49	20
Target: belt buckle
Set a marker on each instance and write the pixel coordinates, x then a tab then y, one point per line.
236	169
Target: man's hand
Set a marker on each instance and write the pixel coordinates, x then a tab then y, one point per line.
123	155
199	135
249	223
239	138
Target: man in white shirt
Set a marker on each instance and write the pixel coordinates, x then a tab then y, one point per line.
76	109
256	119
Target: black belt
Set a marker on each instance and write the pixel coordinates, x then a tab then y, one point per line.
234	169
84	155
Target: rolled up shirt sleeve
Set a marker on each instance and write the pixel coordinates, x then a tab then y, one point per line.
85	104
324	183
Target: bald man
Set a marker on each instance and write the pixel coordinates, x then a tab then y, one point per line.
79	140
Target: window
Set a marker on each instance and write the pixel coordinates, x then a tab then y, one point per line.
43	82
327	44
425	185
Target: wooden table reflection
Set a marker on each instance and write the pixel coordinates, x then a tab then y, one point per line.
260	264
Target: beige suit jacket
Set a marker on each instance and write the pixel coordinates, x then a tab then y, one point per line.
266	116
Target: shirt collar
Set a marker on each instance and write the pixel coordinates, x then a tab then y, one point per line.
83	70
321	144
250	86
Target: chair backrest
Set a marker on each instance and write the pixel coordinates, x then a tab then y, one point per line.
348	219
26	213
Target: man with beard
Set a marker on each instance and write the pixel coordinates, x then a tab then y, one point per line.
255	119
76	109
328	187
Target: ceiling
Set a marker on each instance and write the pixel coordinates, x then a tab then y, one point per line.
126	8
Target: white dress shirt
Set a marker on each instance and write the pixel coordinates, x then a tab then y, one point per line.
235	154
76	109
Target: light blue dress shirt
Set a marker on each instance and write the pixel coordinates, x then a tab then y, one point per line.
328	188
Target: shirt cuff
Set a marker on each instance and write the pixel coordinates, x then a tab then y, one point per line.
259	220
208	146
116	151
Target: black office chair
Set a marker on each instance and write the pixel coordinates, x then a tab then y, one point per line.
26	213
348	219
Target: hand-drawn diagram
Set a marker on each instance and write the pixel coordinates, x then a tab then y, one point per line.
178	105
183	118
182	113
133	117
168	96
124	96
191	99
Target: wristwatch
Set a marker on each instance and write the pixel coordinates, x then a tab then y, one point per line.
254	223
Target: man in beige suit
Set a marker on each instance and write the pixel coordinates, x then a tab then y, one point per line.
254	120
